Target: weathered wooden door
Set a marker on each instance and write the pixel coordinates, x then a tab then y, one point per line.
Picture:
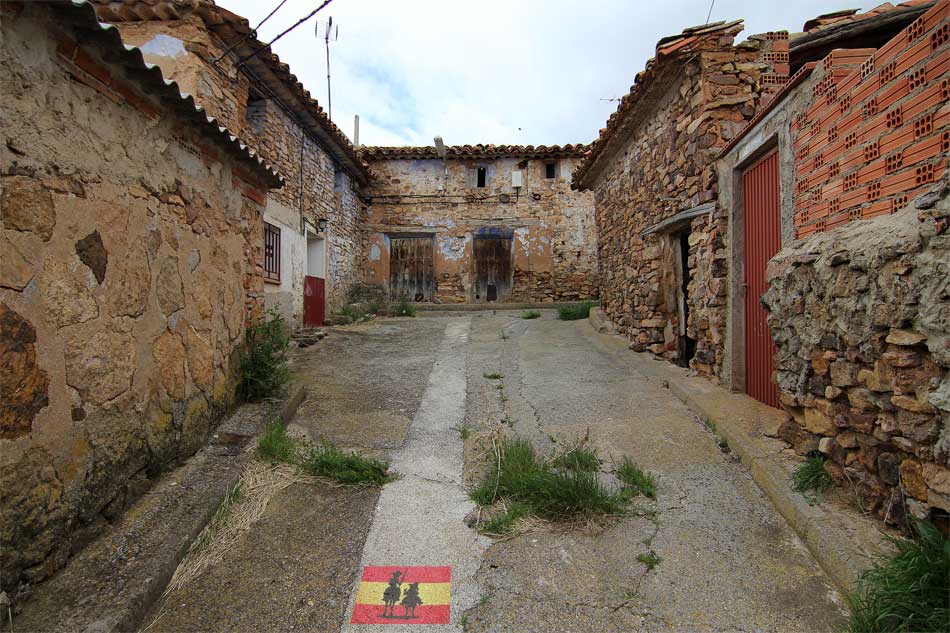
760	196
492	268
411	268
314	301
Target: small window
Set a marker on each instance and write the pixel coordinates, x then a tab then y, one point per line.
271	252
550	170
254	114
481	176
338	180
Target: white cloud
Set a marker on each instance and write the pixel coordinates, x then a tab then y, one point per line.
493	71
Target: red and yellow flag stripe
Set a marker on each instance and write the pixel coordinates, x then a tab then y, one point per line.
434	591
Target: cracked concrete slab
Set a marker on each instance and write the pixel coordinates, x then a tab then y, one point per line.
728	561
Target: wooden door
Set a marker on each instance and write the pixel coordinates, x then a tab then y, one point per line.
411	268
762	212
492	269
314	301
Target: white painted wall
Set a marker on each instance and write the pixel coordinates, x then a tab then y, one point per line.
288	295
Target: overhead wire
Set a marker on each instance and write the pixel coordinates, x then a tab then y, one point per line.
283	33
251	33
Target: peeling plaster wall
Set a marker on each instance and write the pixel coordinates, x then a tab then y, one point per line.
130	266
222	90
554	235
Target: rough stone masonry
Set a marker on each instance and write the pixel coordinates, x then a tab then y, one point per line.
661	237
861	319
533	242
130	267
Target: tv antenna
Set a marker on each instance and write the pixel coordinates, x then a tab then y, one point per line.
329	32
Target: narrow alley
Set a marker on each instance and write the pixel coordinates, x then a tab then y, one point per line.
404	389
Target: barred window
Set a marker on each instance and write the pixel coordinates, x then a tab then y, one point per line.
271	252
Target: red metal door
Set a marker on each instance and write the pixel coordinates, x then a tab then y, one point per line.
314	301
760	196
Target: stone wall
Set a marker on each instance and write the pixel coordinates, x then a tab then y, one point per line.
552	227
186	51
131	261
658	162
860	315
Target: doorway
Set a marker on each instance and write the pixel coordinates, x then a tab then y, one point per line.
493	270
685	345
314	282
411	268
762	230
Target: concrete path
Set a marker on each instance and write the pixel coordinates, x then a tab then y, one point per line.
401	388
728	561
419	518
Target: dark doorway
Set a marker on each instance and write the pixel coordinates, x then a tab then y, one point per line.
686	346
492	268
411	268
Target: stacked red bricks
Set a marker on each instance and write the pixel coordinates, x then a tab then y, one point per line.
878	131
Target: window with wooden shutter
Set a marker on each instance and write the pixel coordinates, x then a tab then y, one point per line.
271	253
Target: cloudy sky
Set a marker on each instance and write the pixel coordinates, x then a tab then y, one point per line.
491	71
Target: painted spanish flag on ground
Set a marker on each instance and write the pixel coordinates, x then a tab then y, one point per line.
403	595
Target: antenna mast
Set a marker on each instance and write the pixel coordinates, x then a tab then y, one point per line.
329	31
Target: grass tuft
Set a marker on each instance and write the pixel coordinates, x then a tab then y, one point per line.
274	445
503	523
344	466
650	559
636	479
493	375
404	307
575	311
523	476
907	590
530	314
810	476
579	458
463	431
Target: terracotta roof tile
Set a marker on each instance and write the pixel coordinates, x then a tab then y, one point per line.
231	27
149	78
671	49
479	151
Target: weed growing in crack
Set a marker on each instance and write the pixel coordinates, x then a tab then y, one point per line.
575	311
810	477
463	431
494	375
578	458
499	386
483	601
274	445
522	476
347	467
507	420
637	480
650	559
530	314
906	590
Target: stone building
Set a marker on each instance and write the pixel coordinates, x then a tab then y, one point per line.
130	226
661	236
210	52
485	223
849	254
